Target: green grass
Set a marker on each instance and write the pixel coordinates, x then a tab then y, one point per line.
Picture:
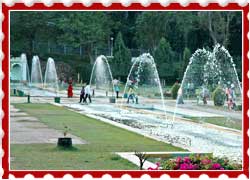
103	140
48	156
220	121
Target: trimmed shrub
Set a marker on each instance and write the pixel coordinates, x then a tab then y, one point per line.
219	96
239	107
174	90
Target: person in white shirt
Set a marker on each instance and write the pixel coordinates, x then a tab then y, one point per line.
87	94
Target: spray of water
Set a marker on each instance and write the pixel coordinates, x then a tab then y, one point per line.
50	78
101	75
208	70
144	72
36	73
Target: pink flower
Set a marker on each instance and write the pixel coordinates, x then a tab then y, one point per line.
178	159
184	166
206	161
190	166
216	166
187	160
156	168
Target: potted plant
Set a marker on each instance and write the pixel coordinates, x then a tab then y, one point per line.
57	99
65	142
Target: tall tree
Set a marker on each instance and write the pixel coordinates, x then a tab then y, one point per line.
163	58
124	22
88	29
149	29
26	27
122	57
218	24
186	57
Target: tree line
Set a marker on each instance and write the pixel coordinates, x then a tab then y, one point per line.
170	36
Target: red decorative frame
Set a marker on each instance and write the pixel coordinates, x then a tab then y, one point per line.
117	174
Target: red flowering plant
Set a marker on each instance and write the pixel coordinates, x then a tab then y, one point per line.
199	162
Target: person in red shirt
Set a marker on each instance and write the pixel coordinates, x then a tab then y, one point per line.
70	89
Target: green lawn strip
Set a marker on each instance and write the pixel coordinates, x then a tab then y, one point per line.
103	138
48	156
220	121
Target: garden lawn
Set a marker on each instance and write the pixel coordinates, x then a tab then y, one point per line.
103	140
220	121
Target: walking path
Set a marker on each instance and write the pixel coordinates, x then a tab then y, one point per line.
27	130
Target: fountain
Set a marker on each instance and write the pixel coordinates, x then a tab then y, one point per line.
101	79
205	72
206	80
25	71
143	88
226	67
50	78
24	81
36	73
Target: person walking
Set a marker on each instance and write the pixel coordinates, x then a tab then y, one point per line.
180	97
232	94
87	94
227	93
204	95
116	87
117	90
82	94
70	90
230	98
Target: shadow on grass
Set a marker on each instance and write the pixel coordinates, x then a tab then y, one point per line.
72	148
115	158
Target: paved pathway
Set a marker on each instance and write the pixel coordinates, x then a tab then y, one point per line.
25	129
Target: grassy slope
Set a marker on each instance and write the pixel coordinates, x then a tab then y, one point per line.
220	121
103	139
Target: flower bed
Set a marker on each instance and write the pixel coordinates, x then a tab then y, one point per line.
200	162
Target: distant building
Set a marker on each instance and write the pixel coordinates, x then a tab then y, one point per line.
18	69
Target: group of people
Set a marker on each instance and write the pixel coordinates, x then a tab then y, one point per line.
85	93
